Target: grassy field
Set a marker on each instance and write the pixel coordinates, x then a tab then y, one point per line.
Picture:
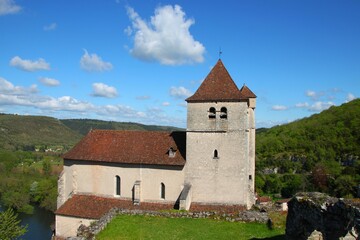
148	227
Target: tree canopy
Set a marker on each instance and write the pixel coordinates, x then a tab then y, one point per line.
324	150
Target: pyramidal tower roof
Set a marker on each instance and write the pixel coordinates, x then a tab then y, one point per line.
219	86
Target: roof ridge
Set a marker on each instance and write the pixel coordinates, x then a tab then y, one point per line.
128	130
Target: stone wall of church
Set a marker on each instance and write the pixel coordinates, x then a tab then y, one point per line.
100	179
67	226
219	168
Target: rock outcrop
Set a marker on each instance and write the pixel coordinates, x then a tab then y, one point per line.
319	216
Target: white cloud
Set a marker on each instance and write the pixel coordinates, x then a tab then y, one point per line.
166	38
314	95
121	110
8	88
310	93
93	63
8	7
128	30
12	97
165	104
103	90
320	106
279	108
302	105
65	103
145	97
29	65
180	92
51	82
50	27
350	97
317	106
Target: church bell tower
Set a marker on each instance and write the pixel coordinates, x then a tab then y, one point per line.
220	141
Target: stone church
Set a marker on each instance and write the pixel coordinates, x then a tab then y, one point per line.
210	165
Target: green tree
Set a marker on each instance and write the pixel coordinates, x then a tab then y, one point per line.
259	183
17	199
292	184
44	193
344	186
46	167
272	184
10	227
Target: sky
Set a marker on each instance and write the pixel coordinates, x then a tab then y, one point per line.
137	61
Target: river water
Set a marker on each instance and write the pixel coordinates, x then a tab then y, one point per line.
39	224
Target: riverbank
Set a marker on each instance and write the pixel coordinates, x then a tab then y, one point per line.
39	224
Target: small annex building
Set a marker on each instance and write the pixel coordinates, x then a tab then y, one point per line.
209	166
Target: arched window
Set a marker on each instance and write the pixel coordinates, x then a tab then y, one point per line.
212	113
223	113
216	154
162	191
118	185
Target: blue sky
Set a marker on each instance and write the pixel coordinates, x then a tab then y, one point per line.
138	60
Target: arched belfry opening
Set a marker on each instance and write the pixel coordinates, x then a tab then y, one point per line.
212	113
223	113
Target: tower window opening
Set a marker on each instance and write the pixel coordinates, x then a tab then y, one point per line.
216	154
223	113
212	113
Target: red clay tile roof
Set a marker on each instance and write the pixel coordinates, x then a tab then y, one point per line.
246	92
219	86
133	147
94	207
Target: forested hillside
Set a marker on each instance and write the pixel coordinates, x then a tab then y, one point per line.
320	153
29	132
18	132
83	126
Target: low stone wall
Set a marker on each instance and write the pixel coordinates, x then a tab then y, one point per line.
89	232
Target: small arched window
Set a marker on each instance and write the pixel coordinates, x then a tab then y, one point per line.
162	191
212	113
118	185
216	154
223	113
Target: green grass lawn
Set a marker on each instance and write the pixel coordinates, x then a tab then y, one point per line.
148	227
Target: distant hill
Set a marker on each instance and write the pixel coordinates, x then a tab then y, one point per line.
333	134
19	132
83	126
27	132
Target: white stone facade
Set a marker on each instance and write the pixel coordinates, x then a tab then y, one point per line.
220	153
81	177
